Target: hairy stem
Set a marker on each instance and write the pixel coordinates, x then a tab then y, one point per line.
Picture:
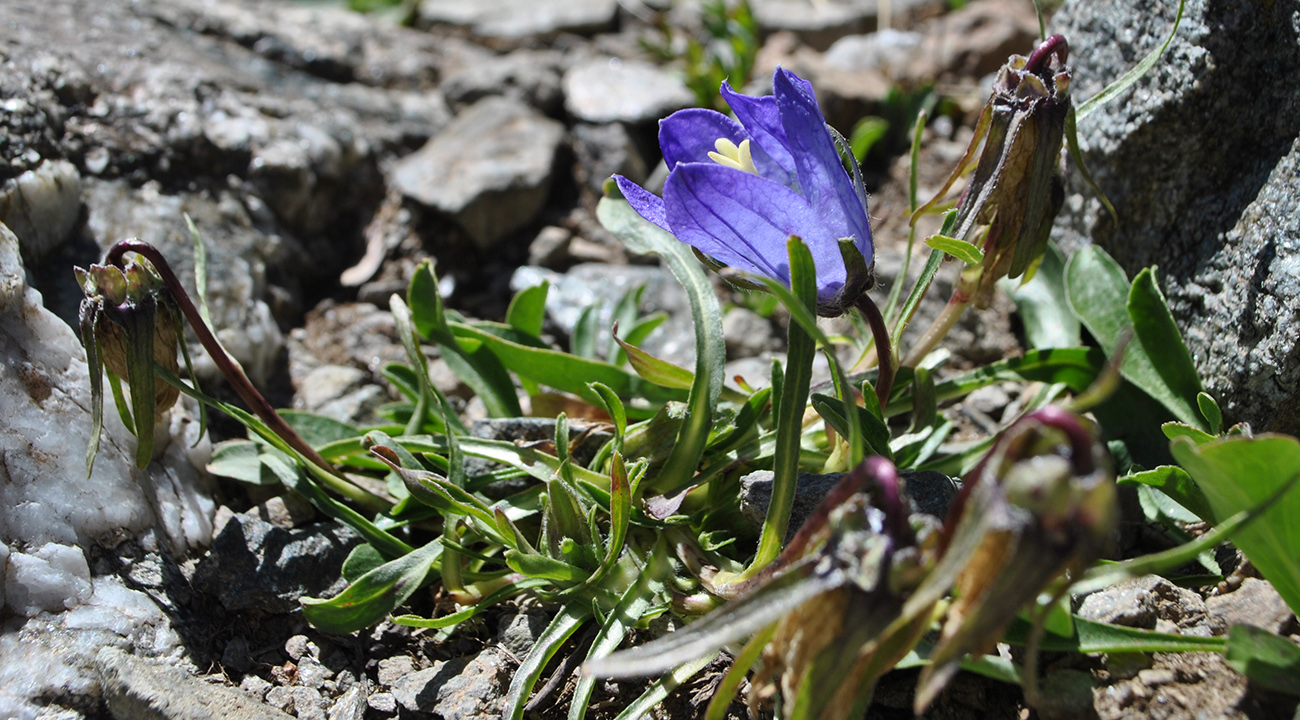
236	377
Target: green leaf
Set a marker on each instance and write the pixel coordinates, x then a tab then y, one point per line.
869	131
477	366
1074	367
540	566
960	249
316	429
874	431
1099	295
1239	473
1270	661
1162	342
582	342
566	622
1210	411
1136	73
643	596
1042	304
1177	484
374	595
1098	637
460	616
527	309
240	460
563	371
360	561
710	353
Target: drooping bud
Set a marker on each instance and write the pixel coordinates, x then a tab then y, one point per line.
129	325
1017	188
1041	505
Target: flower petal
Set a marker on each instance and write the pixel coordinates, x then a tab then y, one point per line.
762	121
689	135
822	178
646	204
744	221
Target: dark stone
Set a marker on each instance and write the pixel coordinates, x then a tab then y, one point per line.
256	565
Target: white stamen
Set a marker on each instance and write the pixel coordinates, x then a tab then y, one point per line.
734	156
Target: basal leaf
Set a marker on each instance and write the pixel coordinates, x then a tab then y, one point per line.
1154	326
1098	294
1239	473
1177	484
374	595
1042	305
1267	659
527	309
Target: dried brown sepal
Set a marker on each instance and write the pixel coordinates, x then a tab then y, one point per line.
1041	505
1017	188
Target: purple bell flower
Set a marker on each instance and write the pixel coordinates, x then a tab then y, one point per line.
737	190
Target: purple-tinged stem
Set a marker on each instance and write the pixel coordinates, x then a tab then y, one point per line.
884	351
232	372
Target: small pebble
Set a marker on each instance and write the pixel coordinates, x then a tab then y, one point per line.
394	668
280	698
255	686
382	703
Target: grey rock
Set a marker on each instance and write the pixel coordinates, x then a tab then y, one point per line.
1256	603
351	705
819	24
489	171
308	704
1148	602
529	76
518	631
134	689
746	333
1216	211
972	42
312	674
478	691
418	691
344	334
928	492
253	685
280	697
383	703
394	668
327	383
235	657
604	285
42	207
603	90
256	565
46	500
518	19
550	249
602	151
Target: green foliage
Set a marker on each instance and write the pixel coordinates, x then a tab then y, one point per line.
723	51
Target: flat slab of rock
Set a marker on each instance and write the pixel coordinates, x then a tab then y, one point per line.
819	24
518	19
603	90
135	689
1202	162
489	171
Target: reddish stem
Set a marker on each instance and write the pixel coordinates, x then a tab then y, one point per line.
232	372
884	351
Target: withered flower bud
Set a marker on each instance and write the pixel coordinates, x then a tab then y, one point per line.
1017	188
1041	505
129	325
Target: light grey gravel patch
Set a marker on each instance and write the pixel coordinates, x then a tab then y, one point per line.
134	689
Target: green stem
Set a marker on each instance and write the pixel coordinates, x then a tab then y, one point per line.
238	380
952	312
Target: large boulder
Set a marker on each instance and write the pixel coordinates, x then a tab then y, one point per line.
1201	160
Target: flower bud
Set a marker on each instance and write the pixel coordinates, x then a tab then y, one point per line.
129	325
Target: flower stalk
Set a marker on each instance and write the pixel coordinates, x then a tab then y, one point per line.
322	468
